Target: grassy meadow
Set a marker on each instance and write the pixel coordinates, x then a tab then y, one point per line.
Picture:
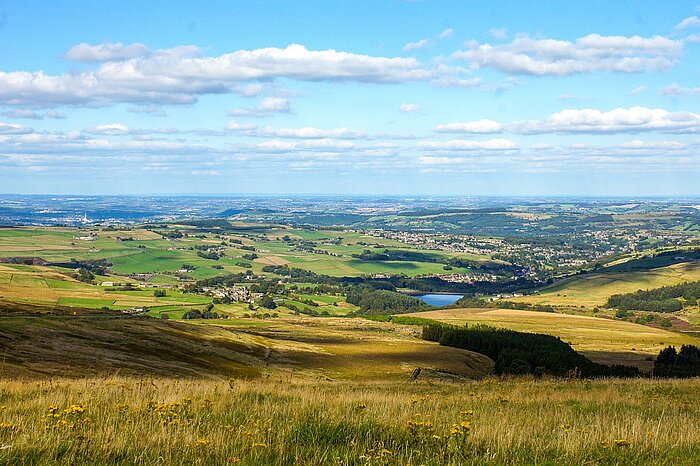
592	290
287	420
603	340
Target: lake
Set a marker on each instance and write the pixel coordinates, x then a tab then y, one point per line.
439	300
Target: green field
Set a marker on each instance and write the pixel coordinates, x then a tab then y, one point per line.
593	290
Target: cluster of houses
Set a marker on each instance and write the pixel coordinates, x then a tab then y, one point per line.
233	293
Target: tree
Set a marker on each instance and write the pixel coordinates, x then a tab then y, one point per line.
267	302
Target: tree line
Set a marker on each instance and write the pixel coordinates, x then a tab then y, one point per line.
523	353
663	299
683	363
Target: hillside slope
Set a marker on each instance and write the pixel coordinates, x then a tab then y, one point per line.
603	340
328	348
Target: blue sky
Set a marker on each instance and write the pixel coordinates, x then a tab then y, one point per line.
392	97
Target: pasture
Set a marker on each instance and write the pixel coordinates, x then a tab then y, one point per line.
136	250
593	290
603	340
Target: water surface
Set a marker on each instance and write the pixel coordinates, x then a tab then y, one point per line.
438	300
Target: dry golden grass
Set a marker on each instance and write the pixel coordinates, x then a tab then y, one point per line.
329	348
601	339
284	420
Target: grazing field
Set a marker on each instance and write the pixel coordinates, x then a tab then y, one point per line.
288	420
50	285
137	250
592	290
601	339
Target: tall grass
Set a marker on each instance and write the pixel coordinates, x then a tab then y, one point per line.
283	420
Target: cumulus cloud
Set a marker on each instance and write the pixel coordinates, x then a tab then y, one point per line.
422	43
310	133
446	33
267	107
251	90
113	129
540	57
315	144
619	120
478	127
27	114
307	132
106	52
410	108
236	125
12	128
419	44
181	74
496	144
690	22
653	145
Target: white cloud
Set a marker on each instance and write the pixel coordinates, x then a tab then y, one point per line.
154	110
619	120
638	90
456	82
267	107
114	129
179	75
446	33
236	125
653	145
314	144
310	133
106	52
690	22
11	128
410	108
496	144
206	172
274	104
419	44
422	43
478	127
587	54
26	114
251	90
677	89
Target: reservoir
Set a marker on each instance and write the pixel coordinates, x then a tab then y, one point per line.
439	299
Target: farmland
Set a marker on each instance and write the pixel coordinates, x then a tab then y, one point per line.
594	289
603	340
292	372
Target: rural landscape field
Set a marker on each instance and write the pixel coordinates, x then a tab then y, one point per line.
398	232
246	339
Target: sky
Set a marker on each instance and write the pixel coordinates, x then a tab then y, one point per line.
336	97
